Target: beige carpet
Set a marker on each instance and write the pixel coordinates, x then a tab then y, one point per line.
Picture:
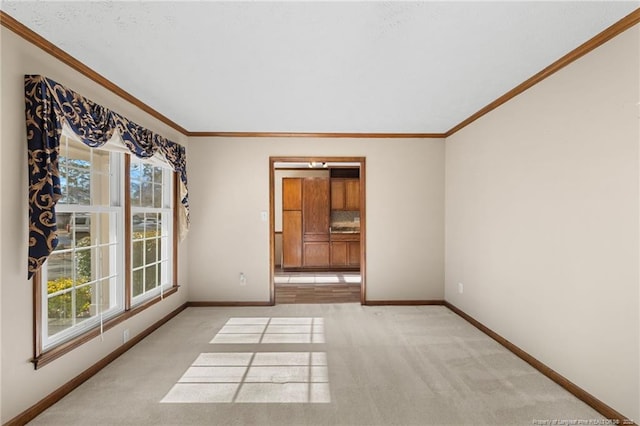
339	364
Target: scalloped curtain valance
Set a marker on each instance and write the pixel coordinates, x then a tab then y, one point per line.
49	106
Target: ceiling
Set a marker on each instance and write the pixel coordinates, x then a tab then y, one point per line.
362	67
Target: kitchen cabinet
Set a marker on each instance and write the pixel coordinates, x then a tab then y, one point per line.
292	223
306	218
315	222
345	250
316	254
345	194
315	206
291	238
292	194
353	253
339	254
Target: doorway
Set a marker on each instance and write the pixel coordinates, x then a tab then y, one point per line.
328	263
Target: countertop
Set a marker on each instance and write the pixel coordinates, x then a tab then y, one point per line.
345	229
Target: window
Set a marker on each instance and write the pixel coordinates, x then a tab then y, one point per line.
151	223
102	270
80	278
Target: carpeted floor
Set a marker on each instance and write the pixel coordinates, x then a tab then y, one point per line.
334	364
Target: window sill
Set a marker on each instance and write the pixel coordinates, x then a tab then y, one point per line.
52	354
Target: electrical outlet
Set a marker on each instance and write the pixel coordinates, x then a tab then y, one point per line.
125	336
243	279
460	288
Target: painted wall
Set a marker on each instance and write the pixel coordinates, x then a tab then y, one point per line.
21	385
542	222
404	213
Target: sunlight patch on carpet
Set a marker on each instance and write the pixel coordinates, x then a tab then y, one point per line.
254	377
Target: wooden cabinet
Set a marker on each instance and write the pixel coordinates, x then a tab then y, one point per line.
352	194
345	194
291	194
337	194
353	253
292	222
316	254
315	222
291	238
315	205
345	250
306	217
339	254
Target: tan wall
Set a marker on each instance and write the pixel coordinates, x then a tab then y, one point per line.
542	222
22	386
404	213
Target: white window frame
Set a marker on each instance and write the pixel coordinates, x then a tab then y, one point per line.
116	274
166	236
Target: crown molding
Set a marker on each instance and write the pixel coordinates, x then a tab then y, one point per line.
619	27
316	135
39	41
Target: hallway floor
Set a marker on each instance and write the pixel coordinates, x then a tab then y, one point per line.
317	287
340	277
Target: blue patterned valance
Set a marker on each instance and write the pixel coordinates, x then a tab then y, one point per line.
48	106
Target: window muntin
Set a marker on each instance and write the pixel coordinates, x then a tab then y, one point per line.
83	285
151	225
80	279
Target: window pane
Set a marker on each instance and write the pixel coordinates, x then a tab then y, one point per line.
157	195
137	254
84	266
84	302
135	193
78	183
109	291
59	312
138	282
154	218
64	237
147	194
105	228
100	185
59	266
150	277
62	171
79	227
151	251
157	175
107	261
137	225
147	172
